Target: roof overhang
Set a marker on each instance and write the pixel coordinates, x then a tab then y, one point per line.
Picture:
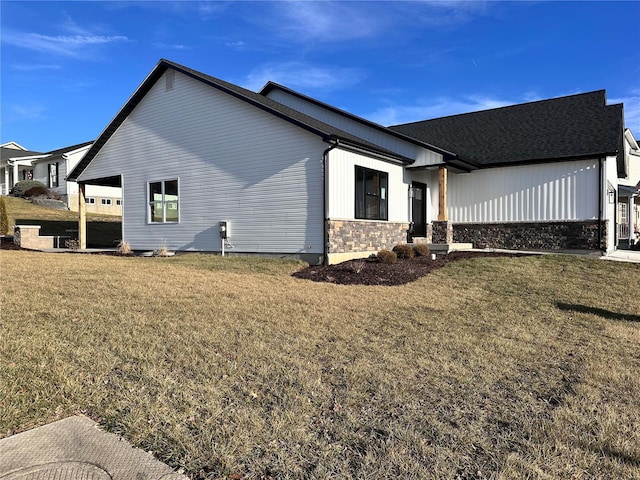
24	161
380	154
628	190
113	181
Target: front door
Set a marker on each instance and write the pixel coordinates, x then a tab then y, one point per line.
419	210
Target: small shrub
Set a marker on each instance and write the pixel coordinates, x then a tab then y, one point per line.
4	217
357	265
37	191
72	244
387	256
403	251
124	248
163	251
20	188
421	250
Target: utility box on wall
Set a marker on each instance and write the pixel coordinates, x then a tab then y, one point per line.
224	230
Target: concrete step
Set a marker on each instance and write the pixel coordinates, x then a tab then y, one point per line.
448	247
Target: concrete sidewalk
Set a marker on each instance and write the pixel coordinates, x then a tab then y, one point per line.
632	256
76	449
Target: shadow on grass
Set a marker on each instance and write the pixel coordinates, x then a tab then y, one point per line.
598	311
99	234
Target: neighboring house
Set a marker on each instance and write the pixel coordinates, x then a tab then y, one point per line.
51	168
16	163
629	194
294	176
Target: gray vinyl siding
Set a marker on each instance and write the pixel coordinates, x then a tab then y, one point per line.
233	161
422	156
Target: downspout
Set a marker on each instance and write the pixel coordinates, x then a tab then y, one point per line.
600	200
325	187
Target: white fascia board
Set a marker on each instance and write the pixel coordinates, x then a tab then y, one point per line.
632	141
77	150
14	145
25	161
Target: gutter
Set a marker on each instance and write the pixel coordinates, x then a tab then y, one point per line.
325	188
600	199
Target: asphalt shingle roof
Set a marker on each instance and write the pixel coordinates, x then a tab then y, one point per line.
60	151
15	153
576	126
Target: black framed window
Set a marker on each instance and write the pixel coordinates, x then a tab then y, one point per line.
53	174
371	194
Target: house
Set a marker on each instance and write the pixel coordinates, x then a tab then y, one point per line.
628	233
15	165
289	175
50	168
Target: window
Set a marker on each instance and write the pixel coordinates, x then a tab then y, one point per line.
118	202
53	174
90	200
163	201
371	194
106	201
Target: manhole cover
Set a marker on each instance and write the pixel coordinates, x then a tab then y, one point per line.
60	470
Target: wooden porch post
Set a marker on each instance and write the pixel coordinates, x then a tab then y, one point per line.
442	193
82	216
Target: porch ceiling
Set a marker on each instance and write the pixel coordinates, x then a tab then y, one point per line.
115	181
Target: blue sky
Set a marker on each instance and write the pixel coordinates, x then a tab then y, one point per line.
68	67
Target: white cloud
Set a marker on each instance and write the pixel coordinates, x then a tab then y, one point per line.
434	108
33	67
24	112
170	46
63	45
300	75
338	21
325	21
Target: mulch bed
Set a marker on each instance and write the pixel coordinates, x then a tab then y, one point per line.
370	271
6	243
367	271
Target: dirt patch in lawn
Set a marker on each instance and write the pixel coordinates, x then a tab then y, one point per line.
370	271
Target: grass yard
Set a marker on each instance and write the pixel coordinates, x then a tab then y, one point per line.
231	368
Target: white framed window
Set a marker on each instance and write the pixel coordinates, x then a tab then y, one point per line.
163	201
118	202
90	201
106	201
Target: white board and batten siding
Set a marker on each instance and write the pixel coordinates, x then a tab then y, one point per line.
233	161
542	192
341	177
610	207
421	155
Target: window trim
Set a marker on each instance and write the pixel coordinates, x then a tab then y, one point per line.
163	202
53	183
383	199
105	201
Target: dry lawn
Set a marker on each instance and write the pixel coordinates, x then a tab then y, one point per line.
229	367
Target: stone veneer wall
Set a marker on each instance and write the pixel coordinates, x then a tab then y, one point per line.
569	235
442	232
346	236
